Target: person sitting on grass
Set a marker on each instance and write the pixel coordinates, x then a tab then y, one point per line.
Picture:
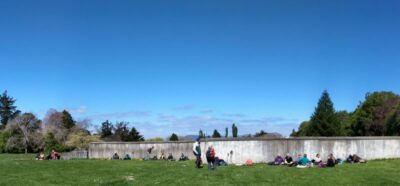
295	163
55	155
183	157
147	157
127	157
288	160
349	159
40	156
170	157
331	161
115	156
219	162
162	157
358	159
317	160
304	162
278	160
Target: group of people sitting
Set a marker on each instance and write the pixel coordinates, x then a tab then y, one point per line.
53	155
303	161
170	157
116	157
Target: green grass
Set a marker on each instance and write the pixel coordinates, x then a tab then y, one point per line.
23	170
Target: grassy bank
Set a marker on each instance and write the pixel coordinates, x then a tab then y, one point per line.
23	170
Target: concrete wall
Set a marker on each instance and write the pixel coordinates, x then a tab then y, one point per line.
259	150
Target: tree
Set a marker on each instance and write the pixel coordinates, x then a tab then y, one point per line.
134	135
202	134
226	132
216	134
8	110
106	129
324	121
54	124
25	126
80	140
260	134
3	140
156	139
303	130
372	116
51	143
294	133
67	120
234	131
174	137
121	131
344	123
394	123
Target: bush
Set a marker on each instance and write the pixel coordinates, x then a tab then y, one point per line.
51	143
80	140
3	141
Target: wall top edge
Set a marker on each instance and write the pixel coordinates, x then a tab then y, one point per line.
259	139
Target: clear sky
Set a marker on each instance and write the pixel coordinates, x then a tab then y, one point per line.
180	66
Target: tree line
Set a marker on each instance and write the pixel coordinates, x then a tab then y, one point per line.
24	132
377	115
216	134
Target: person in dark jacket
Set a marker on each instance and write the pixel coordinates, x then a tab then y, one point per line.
197	153
331	161
288	160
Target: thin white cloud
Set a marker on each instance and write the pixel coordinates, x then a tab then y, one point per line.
184	107
235	115
165	125
120	115
77	110
208	111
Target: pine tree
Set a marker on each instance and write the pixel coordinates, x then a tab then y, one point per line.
121	131
106	129
234	131
324	121
202	134
8	110
293	134
67	120
134	135
216	134
226	132
174	137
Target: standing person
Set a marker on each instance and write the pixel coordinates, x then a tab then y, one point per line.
197	152
210	155
213	157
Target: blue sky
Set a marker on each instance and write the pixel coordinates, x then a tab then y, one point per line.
181	66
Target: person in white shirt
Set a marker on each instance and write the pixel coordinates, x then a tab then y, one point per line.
197	152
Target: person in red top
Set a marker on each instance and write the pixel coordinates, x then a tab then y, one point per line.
210	155
55	155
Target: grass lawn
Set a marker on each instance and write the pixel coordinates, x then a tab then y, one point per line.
23	170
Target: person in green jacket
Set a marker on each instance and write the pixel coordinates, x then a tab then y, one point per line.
197	152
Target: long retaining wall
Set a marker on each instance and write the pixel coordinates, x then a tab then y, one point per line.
259	150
